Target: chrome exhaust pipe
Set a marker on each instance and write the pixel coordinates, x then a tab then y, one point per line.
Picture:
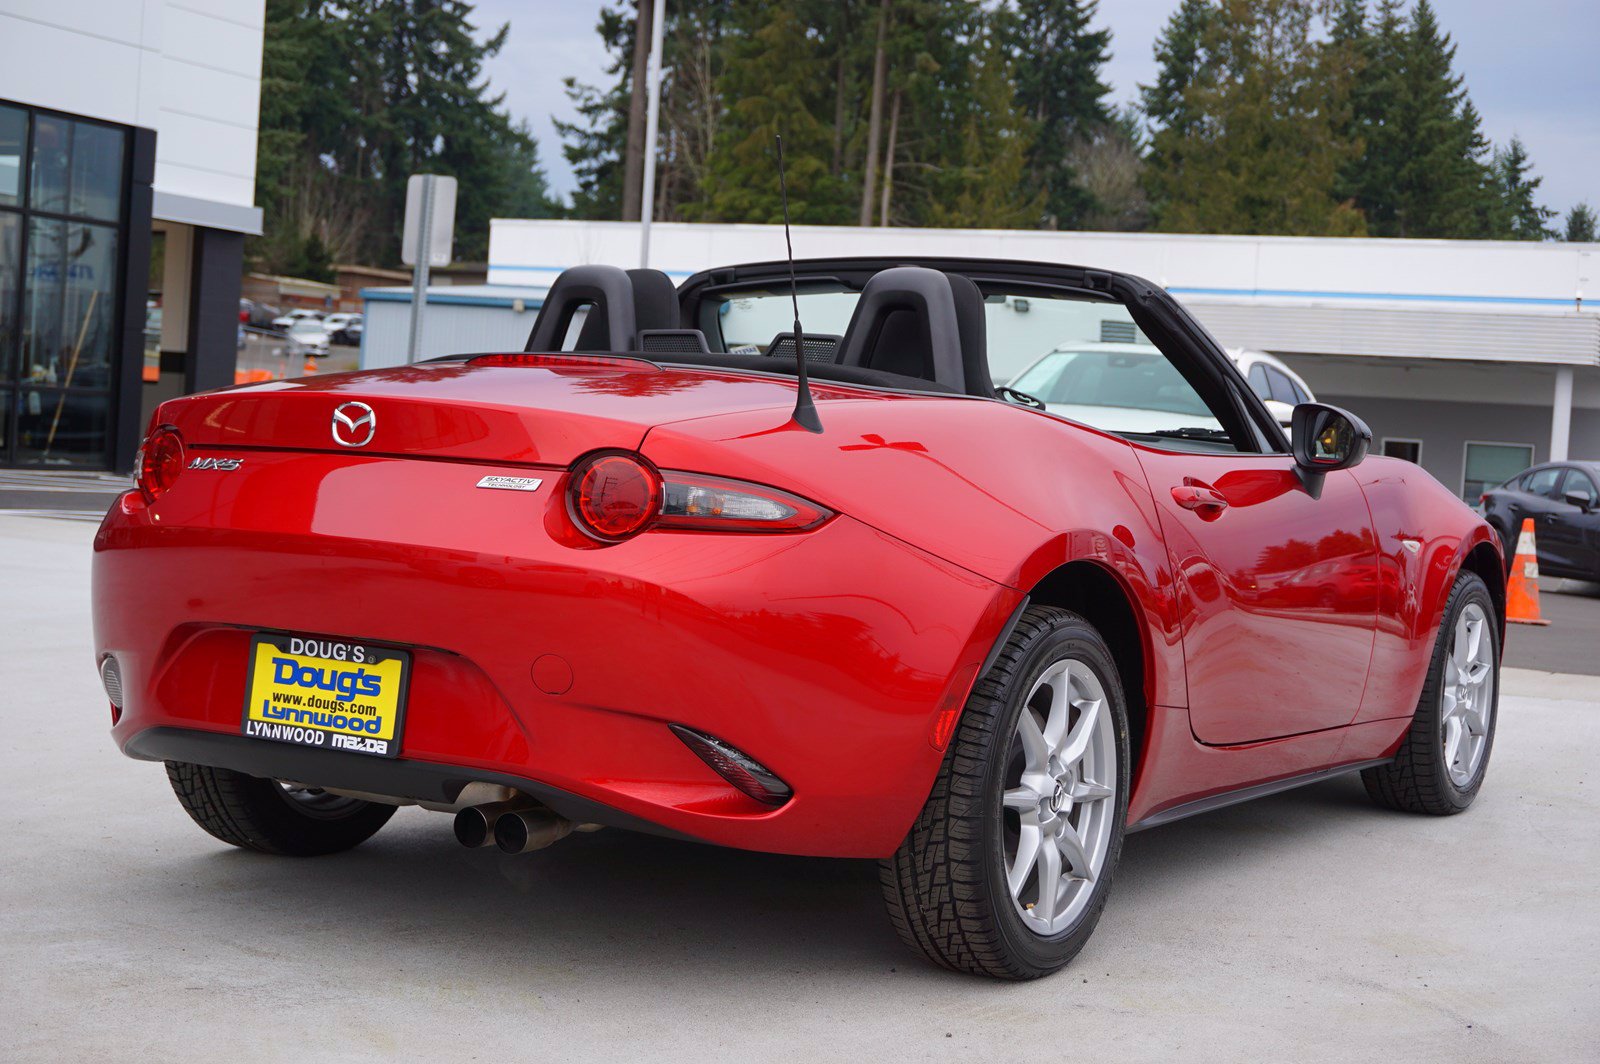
475	824
526	830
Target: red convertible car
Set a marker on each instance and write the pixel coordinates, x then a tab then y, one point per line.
632	577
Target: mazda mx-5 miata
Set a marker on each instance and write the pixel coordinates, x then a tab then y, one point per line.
632	577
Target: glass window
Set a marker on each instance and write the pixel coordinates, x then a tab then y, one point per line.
13	137
77	168
1578	483
70	306
1300	394
10	281
1259	383
62	428
1410	450
1282	387
1488	464
1542	482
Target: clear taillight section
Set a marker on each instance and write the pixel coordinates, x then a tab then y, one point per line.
613	495
714	504
160	462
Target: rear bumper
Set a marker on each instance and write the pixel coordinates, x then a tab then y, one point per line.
825	655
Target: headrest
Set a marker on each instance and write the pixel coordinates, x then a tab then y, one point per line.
621	304
921	323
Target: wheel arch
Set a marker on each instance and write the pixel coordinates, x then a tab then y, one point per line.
1484	559
1095	592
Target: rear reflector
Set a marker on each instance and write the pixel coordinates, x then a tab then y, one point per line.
737	767
111	680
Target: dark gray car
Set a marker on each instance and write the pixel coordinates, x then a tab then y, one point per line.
1563	499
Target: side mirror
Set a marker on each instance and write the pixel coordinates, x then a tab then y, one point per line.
1326	438
1579	499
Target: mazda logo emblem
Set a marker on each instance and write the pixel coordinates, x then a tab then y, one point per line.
353	424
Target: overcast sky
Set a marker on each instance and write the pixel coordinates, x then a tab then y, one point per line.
1532	67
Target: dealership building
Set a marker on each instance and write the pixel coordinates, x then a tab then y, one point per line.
1473	358
127	187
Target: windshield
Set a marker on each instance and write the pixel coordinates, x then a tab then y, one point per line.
1114	376
306	325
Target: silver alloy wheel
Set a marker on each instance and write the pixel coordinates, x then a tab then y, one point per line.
1467	701
1059	800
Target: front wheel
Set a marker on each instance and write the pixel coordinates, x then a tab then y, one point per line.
1442	760
1008	865
271	817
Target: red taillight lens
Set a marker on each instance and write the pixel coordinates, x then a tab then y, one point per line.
614	496
160	462
690	500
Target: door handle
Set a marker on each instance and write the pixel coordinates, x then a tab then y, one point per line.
1201	498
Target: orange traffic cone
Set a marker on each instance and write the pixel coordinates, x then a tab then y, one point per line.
1522	592
310	367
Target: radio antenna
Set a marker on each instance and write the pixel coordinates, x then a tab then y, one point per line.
805	411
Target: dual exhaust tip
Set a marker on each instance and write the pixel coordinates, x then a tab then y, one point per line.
514	827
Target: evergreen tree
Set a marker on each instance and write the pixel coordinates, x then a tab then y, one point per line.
1168	107
771	88
1057	60
1262	153
1517	215
1580	224
358	96
1430	141
594	145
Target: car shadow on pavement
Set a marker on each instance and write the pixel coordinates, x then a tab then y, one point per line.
644	909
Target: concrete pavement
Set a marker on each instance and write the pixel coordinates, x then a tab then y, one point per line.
1309	926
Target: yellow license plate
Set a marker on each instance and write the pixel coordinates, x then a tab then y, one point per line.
326	693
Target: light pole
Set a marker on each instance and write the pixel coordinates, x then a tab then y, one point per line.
651	123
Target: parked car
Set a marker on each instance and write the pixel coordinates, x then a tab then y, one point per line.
286	321
1563	499
638	579
257	315
344	328
308	337
1274	383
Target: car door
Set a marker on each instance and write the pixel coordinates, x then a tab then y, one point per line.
1573	531
1278	591
1538	499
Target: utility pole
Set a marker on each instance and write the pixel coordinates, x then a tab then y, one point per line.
651	129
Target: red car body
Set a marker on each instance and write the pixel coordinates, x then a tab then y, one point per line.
837	656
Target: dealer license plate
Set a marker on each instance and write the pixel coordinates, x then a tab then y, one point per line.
326	693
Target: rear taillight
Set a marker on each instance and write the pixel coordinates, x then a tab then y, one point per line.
735	766
160	462
692	501
615	494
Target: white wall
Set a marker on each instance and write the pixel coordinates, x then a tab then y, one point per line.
1523	276
189	70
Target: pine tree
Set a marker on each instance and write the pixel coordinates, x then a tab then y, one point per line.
771	88
1167	105
1580	224
1262	152
1433	142
1517	215
356	97
1057	60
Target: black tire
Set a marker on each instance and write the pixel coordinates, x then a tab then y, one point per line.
259	814
945	887
1418	780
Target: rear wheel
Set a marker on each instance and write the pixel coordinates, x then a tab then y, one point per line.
1443	758
272	817
1008	866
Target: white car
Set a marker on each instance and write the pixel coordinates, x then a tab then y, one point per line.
286	322
1117	387
308	337
1275	383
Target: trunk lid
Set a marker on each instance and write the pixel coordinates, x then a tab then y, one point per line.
526	414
